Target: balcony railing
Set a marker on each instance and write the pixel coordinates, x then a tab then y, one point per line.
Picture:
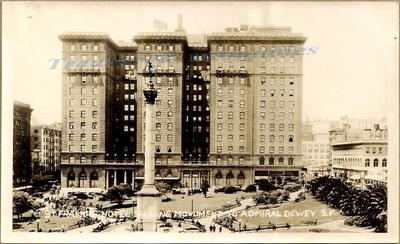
231	72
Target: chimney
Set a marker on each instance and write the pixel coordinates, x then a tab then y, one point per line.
179	27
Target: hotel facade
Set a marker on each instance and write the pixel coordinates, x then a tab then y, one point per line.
229	108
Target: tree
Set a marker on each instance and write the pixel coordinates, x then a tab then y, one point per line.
115	194
21	203
265	185
204	187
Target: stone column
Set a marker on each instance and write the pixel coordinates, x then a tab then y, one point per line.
133	179
115	177
148	198
106	179
125	176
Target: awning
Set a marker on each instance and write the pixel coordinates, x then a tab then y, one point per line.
159	178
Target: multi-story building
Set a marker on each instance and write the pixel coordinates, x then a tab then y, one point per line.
22	161
46	148
361	159
317	152
228	107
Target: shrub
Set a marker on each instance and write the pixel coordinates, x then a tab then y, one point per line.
125	189
292	187
163	187
265	185
250	188
230	190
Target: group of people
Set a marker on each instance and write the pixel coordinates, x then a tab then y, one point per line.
213	228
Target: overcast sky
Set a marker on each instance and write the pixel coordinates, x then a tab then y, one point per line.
354	71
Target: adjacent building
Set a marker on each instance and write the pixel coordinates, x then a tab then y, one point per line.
46	148
362	156
22	162
228	108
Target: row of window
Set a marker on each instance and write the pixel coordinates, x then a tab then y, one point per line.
281	115
83	102
263	92
263	59
169	126
84	79
71	148
169	48
271	161
83	136
198	118
83	114
95	90
84	47
170	138
197	108
373	150
83	125
281	127
376	162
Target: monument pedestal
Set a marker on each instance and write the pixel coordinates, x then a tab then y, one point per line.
148	208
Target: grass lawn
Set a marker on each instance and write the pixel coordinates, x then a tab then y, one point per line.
46	223
214	201
294	214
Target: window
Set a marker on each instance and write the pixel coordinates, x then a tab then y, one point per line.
83	125
230	104
230	127
384	162
281	115
158	138
290	161
376	162
261	160
72	47
219	138
219	115
71	125
242	81
281	127
83	102
271	92
83	90
272	127
367	162
242	92
262	149
219	149
158	126
94	102
94	137
272	104
219	126
242	103
95	91
271	161
281	150
71	136
83	136
271	138
94	125
94	114
219	81
271	149
169	138
281	104
83	114
230	81
262	104
280	161
262	127
241	138
262	115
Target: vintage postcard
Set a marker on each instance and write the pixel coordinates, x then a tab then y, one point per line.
175	121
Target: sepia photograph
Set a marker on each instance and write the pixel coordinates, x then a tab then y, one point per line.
200	121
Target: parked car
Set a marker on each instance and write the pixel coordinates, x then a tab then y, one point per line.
38	194
230	190
219	189
176	191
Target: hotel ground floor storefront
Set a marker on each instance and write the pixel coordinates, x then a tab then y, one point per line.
76	177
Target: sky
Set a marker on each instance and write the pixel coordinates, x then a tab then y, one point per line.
354	71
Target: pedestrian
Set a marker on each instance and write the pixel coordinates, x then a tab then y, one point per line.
210	228
220	229
315	222
287	226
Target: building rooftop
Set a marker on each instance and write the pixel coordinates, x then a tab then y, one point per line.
160	36
358	142
21	104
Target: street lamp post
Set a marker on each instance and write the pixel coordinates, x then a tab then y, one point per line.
148	198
